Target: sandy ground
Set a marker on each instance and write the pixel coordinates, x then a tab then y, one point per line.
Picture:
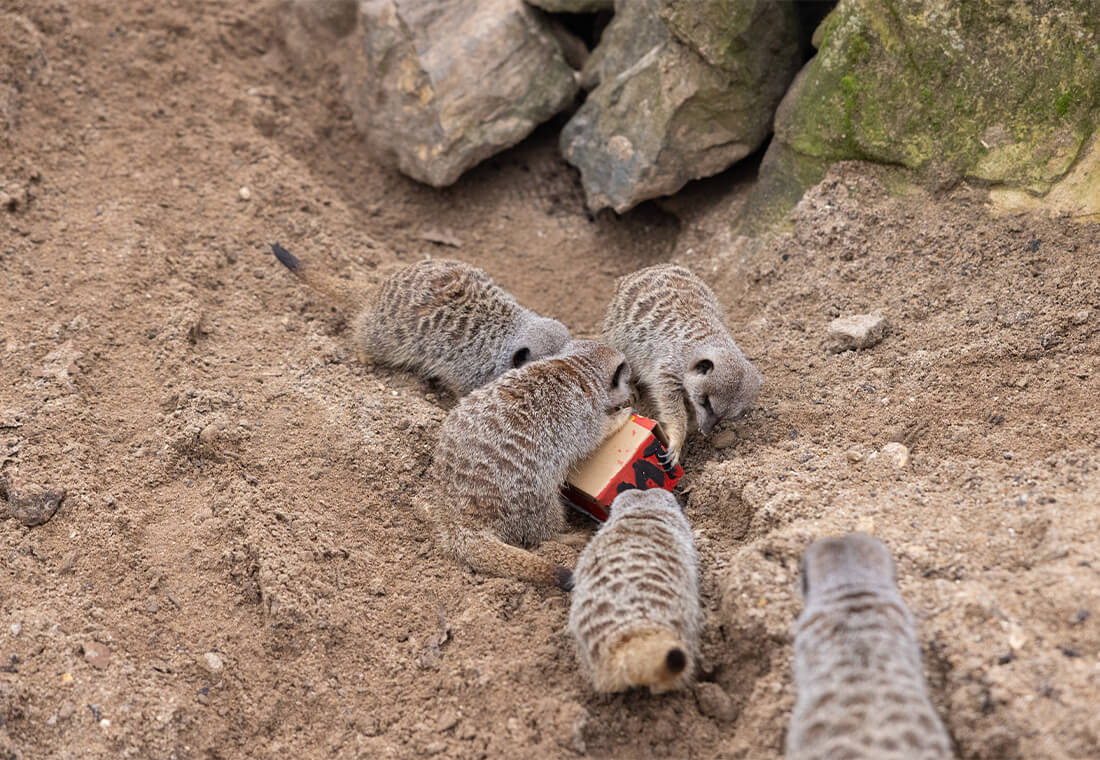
236	571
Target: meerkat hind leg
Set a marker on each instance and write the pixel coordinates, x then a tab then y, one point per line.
489	555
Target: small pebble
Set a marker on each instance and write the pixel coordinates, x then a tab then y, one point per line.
97	655
896	453
16	629
213	662
1081	317
245	193
853	456
857	331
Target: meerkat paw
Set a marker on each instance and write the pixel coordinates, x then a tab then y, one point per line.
670	458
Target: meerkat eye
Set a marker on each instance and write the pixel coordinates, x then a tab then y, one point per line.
618	374
519	358
703	366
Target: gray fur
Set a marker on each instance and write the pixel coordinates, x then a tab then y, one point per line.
635	606
505	450
442	319
857	665
669	324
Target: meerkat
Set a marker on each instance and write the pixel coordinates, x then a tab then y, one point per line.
505	450
669	325
857	666
442	319
635	611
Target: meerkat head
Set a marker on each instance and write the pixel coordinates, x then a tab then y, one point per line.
651	498
537	338
720	383
852	561
612	372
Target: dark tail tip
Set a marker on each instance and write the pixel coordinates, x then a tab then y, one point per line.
285	257
676	661
563	576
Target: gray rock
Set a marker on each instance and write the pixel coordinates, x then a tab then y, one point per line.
30	510
634	31
682	91
448	83
857	331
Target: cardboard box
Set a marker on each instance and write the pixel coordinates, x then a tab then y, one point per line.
629	458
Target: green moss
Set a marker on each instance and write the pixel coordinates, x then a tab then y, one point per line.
1005	93
907	82
1067	99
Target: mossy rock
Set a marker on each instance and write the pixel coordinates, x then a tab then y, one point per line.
1001	92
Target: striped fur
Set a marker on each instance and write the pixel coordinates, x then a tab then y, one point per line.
669	324
857	667
505	450
441	319
635	611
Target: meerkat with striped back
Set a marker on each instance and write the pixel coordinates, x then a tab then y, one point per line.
494	488
442	319
635	612
669	325
857	664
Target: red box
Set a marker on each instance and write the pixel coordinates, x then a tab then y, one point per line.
629	458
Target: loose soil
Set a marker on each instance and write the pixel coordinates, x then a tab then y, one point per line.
236	570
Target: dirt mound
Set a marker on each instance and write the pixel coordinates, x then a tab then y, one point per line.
236	569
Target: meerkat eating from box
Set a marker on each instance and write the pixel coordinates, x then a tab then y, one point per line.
504	451
857	668
442	319
669	325
635	611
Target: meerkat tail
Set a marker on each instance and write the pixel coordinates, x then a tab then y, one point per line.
655	658
489	555
337	293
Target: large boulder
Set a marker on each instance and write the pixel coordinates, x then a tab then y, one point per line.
1004	93
683	89
448	83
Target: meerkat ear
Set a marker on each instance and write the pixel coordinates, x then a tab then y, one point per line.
703	366
618	374
521	357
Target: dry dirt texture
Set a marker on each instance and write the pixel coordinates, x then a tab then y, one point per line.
235	570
